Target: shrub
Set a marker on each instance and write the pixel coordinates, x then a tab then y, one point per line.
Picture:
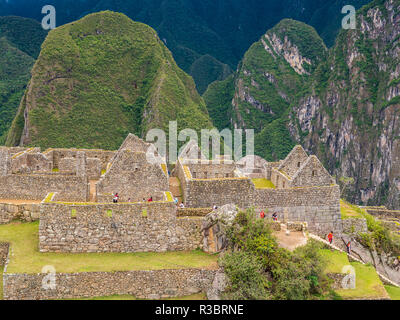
297	275
244	271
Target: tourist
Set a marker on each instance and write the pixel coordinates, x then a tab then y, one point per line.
150	199
176	201
182	206
348	246
116	197
129	200
275	216
215	207
262	214
330	237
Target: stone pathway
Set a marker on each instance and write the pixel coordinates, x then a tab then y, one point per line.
315	237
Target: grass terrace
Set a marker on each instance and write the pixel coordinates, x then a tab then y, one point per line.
263	183
26	258
368	284
350	211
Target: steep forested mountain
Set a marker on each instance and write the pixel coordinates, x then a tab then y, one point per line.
100	78
342	104
350	116
208	37
20	41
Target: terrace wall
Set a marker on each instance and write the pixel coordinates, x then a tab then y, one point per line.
318	206
36	187
4	247
133	227
154	284
23	212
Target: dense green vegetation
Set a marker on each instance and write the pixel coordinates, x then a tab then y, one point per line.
195	30
102	77
20	41
258	269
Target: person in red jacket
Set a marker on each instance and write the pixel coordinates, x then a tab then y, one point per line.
330	237
262	214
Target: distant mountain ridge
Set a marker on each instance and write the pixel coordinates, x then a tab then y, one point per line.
202	35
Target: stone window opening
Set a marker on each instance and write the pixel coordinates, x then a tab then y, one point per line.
298	164
313	173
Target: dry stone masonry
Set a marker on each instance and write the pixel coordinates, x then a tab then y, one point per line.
299	190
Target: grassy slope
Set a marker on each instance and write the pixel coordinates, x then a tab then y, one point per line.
394	292
368	284
26	257
102	77
350	211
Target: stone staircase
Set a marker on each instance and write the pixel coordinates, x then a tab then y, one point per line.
317	238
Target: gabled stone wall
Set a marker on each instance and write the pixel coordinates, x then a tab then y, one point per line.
132	176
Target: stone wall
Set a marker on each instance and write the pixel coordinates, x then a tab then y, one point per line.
354	225
193	212
135	227
207	193
132	176
318	206
57	154
4	247
36	187
154	284
22	212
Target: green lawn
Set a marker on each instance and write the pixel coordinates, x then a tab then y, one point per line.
26	257
263	184
335	260
368	284
394	292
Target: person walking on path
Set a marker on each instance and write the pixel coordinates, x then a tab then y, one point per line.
275	216
348	246
330	237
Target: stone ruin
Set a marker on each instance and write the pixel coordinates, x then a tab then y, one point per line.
77	213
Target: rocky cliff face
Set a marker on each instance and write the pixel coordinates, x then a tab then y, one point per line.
350	116
272	73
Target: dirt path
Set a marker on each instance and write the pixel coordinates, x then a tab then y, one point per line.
292	240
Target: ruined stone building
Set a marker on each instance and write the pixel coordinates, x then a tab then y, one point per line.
76	187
